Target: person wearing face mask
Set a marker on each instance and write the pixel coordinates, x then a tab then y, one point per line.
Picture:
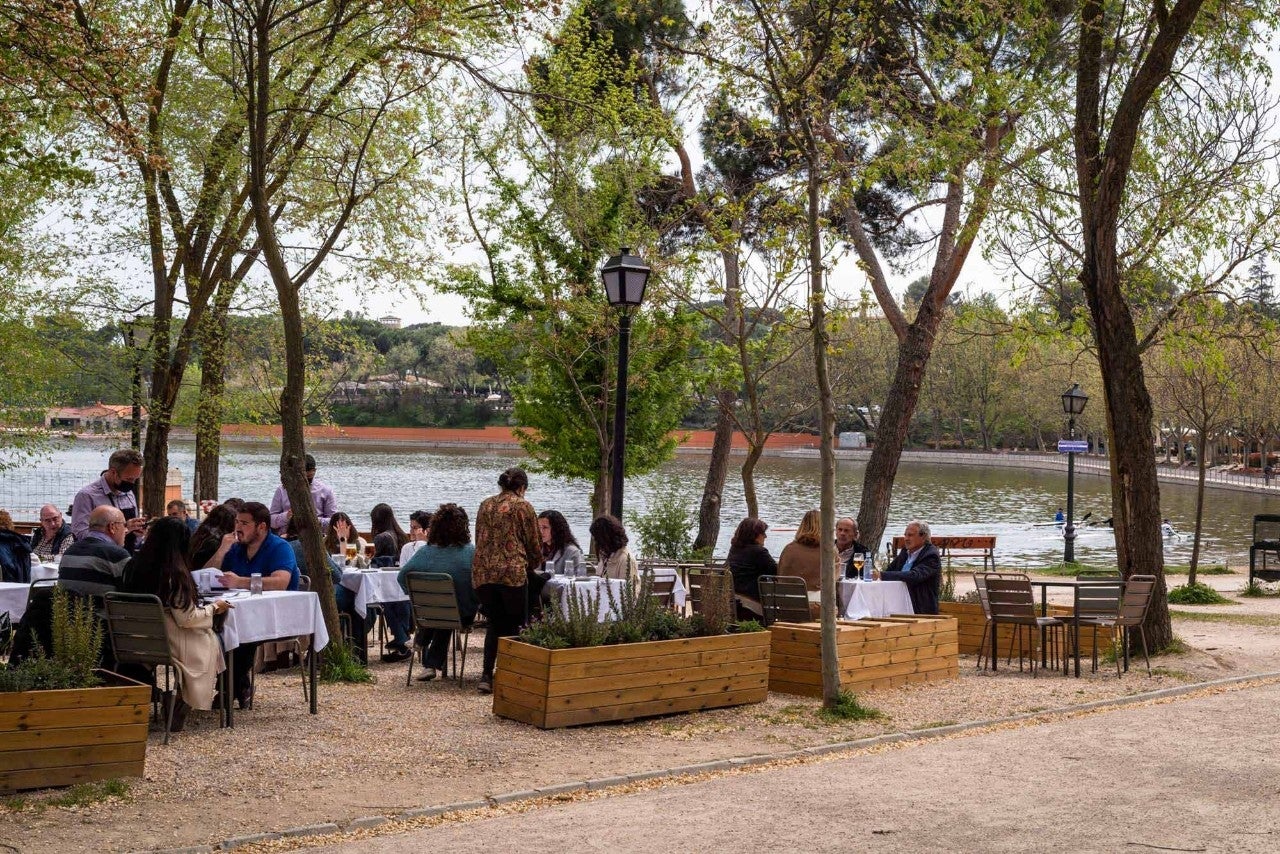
322	497
118	487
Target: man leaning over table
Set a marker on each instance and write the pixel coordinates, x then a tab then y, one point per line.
919	565
326	503
256	550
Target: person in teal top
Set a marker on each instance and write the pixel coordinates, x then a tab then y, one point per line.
448	550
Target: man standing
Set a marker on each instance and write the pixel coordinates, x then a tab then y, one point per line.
257	551
322	497
117	488
918	564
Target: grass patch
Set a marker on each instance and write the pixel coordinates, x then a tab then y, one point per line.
84	794
1071	570
1197	594
1255	590
1177	646
339	664
937	724
1234	619
846	709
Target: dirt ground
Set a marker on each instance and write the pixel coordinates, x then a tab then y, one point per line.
383	748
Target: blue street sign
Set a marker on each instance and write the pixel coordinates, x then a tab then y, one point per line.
1073	446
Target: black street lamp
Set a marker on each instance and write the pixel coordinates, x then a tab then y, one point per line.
1073	401
625	276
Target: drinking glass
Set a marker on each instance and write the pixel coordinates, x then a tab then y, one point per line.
351	552
859	560
255	584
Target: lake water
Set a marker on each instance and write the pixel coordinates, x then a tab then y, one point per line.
1013	505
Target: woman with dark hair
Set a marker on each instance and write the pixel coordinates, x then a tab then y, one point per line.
448	549
559	548
419	525
508	551
748	560
382	519
342	533
611	549
214	536
161	568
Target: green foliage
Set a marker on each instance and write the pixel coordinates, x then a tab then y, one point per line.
846	709
77	651
1255	589
1197	594
40	674
340	664
748	626
665	529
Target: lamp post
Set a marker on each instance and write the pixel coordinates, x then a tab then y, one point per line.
1073	401
625	276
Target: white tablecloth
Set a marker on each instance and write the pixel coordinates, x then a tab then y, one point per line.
273	615
861	599
587	588
373	587
678	593
41	571
13	599
205	578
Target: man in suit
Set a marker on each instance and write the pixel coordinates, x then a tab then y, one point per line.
920	566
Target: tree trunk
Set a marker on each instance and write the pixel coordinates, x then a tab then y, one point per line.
718	466
895	422
209	409
755	449
1195	543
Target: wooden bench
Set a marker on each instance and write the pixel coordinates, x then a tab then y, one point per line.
959	547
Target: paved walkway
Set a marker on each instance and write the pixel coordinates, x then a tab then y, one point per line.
1195	774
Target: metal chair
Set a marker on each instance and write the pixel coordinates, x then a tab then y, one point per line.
136	626
1130	612
1012	602
980	584
1266	541
1097	600
784	598
711	588
662	589
435	607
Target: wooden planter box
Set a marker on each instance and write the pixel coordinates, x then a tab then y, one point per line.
565	687
57	738
882	652
973	623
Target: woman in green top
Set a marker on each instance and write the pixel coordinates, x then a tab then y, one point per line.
448	550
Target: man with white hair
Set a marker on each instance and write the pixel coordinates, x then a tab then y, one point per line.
919	565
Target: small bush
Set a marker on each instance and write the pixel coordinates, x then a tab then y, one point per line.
847	708
340	664
666	530
1254	589
77	651
1197	594
40	674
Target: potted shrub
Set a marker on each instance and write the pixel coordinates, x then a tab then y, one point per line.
62	720
572	669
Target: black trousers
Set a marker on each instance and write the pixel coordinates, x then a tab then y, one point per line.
242	657
505	608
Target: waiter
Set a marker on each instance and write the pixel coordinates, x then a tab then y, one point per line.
118	487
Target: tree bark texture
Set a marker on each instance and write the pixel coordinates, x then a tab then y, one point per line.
718	466
209	409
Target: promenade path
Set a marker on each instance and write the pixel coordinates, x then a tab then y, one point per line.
1195	773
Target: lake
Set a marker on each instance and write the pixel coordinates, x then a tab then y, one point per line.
1014	505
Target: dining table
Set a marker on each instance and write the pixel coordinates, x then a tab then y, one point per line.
589	590
1074	585
13	599
679	593
862	599
374	587
272	615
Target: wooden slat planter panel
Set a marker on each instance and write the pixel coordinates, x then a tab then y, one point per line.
569	687
876	653
58	738
972	622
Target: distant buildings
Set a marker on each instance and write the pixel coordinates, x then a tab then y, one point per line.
390	321
99	418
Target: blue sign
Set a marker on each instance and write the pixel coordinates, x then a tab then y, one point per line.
1073	446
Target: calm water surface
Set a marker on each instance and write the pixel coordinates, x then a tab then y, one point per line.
1013	505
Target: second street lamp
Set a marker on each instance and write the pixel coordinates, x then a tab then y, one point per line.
625	277
1073	402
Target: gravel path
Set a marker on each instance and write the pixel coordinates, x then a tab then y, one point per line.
1089	783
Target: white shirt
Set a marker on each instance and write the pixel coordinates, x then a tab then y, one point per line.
407	550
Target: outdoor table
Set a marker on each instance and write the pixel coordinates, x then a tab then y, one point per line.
273	615
42	571
678	593
1074	584
13	599
374	587
862	599
592	586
